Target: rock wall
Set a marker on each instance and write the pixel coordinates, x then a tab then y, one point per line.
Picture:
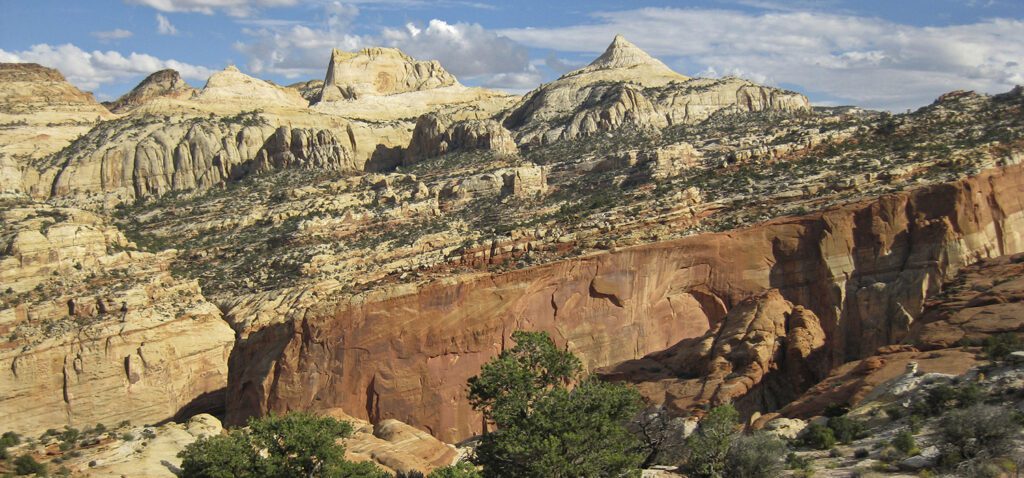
93	333
407	354
437	134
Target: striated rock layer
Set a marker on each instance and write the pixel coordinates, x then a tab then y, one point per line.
96	334
378	72
864	270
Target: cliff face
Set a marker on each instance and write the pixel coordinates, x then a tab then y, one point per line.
95	334
864	270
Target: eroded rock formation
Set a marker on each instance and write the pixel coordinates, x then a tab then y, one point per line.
162	84
406	354
626	86
379	72
96	334
435	135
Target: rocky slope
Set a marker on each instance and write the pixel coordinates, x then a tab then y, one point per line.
162	84
97	334
627	86
40	113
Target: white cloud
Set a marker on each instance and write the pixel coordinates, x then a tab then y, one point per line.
468	51
89	70
164	26
112	35
236	8
866	61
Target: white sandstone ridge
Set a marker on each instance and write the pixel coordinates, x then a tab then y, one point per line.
624	61
380	72
231	84
162	84
626	86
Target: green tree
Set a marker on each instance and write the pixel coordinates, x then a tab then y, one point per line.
461	469
708	447
295	445
820	437
544	426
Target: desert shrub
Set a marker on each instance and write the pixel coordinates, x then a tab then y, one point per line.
904	442
861	453
819	437
26	465
978	432
845	429
461	469
836	410
10	439
999	346
755	456
708	446
127	436
944	397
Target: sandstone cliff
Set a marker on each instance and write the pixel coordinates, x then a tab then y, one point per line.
625	86
379	72
98	334
406	354
435	135
162	84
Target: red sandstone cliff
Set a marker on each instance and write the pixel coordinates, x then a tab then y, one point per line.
863	269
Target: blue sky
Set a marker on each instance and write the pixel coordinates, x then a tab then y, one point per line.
876	53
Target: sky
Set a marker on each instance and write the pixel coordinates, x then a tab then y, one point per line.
882	54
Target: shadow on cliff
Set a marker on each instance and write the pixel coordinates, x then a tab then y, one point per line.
252	372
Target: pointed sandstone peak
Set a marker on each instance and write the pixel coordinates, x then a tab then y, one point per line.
624	61
380	72
162	84
623	54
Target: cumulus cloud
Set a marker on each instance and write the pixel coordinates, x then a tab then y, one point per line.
112	35
88	70
236	8
164	26
467	50
866	61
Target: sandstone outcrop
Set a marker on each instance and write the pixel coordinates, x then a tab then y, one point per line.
522	181
379	72
985	299
426	340
764	353
290	148
150	159
96	334
310	90
435	135
625	86
231	85
162	84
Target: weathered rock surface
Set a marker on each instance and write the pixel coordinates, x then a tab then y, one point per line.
40	113
162	84
379	72
406	353
230	84
986	299
625	86
310	90
764	353
436	135
320	149
394	445
94	334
